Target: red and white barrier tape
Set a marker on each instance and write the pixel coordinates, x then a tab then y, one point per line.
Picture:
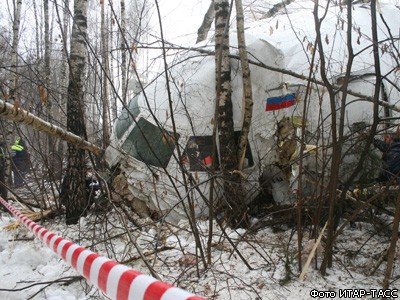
115	280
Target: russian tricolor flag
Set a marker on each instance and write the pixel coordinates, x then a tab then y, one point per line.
275	103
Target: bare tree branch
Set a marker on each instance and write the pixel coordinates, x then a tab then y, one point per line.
20	115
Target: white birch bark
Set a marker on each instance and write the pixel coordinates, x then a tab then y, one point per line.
223	86
233	191
105	68
14	50
13	95
123	54
247	88
74	197
37	29
46	102
205	26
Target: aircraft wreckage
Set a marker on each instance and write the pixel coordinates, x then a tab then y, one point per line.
280	50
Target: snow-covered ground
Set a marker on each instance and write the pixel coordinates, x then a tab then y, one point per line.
30	270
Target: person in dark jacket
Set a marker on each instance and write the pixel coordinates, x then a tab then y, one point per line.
3	189
390	148
20	161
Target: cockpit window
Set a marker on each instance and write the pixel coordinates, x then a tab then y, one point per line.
126	117
198	154
150	144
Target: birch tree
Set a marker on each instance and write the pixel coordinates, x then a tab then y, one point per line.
46	54
63	92
247	89
233	195
37	29
46	102
14	50
13	98
124	85
105	68
74	182
205	26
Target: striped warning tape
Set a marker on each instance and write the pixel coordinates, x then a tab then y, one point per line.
115	280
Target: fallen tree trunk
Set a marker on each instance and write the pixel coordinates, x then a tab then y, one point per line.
17	114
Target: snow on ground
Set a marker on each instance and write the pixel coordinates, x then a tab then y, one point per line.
29	270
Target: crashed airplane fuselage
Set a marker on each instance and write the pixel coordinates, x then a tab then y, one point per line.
163	142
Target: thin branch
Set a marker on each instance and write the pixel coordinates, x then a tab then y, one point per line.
64	280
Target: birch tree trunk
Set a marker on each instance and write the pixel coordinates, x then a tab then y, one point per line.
74	198
14	50
204	28
113	93
124	84
63	92
233	195
247	88
37	29
46	102
13	98
105	68
46	50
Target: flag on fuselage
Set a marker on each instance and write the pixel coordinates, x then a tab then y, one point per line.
280	102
